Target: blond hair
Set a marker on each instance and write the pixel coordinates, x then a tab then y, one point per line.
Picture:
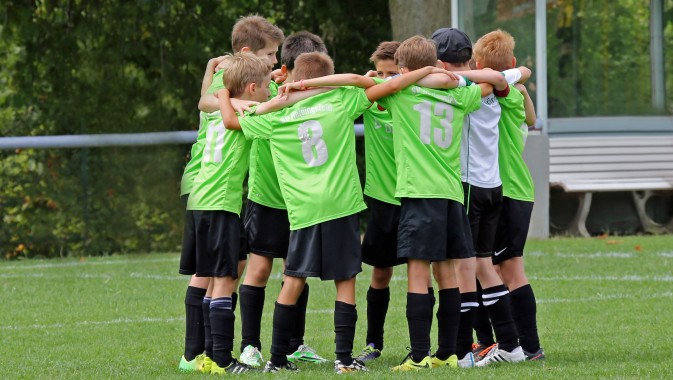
416	52
385	51
495	50
312	65
241	69
255	32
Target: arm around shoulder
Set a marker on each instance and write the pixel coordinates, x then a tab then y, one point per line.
229	117
528	104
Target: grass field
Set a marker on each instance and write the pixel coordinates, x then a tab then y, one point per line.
605	311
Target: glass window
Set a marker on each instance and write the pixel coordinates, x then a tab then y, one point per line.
599	58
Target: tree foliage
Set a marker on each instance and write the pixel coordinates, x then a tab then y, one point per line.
76	66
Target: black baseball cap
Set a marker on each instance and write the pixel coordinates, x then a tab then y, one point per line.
449	42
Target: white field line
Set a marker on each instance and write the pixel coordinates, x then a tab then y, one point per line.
598	255
599	297
93	323
48	265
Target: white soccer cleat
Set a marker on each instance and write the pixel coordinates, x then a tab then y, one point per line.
496	355
467	361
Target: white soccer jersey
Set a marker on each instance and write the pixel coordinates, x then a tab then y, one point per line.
479	142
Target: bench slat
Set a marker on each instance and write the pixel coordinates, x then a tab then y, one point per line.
598	141
615	160
608	185
599	151
626	166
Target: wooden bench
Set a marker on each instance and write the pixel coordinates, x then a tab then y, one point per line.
641	164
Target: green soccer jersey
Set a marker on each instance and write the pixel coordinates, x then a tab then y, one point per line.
313	149
224	163
194	164
428	125
218	82
517	182
263	187
379	155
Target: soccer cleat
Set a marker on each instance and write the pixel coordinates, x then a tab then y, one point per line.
451	361
207	364
410	365
194	365
532	356
305	354
272	368
481	350
368	353
357	365
251	356
467	361
496	355
235	368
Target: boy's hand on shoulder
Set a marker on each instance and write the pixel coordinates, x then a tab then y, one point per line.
279	75
241	106
285	89
216	63
450	74
371	74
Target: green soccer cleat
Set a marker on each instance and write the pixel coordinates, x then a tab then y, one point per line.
235	368
411	365
451	361
207	364
251	356
305	354
194	365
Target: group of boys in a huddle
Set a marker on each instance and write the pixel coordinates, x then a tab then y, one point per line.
446	186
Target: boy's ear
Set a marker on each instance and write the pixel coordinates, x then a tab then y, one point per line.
252	87
404	70
479	65
513	62
245	49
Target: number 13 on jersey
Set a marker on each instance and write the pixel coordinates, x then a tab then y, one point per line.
439	135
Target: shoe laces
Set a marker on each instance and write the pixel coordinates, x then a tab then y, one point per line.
487	350
304	347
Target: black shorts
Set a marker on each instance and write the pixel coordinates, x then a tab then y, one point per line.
379	246
329	250
433	229
188	255
267	230
510	238
217	243
483	211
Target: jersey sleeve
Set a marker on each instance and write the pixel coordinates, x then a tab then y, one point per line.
355	101
273	89
257	126
512	75
472	97
218	82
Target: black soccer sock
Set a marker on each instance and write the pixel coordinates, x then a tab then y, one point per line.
433	302
252	307
222	328
469	302
234	300
482	325
497	303
448	320
524	312
208	341
283	317
194	330
378	301
419	307
345	318
299	326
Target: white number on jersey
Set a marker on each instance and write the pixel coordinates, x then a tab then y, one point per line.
313	147
441	136
212	152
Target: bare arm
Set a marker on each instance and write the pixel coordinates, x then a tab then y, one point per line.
486	89
278	102
400	82
525	73
528	104
329	80
486	76
229	117
208	75
439	81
